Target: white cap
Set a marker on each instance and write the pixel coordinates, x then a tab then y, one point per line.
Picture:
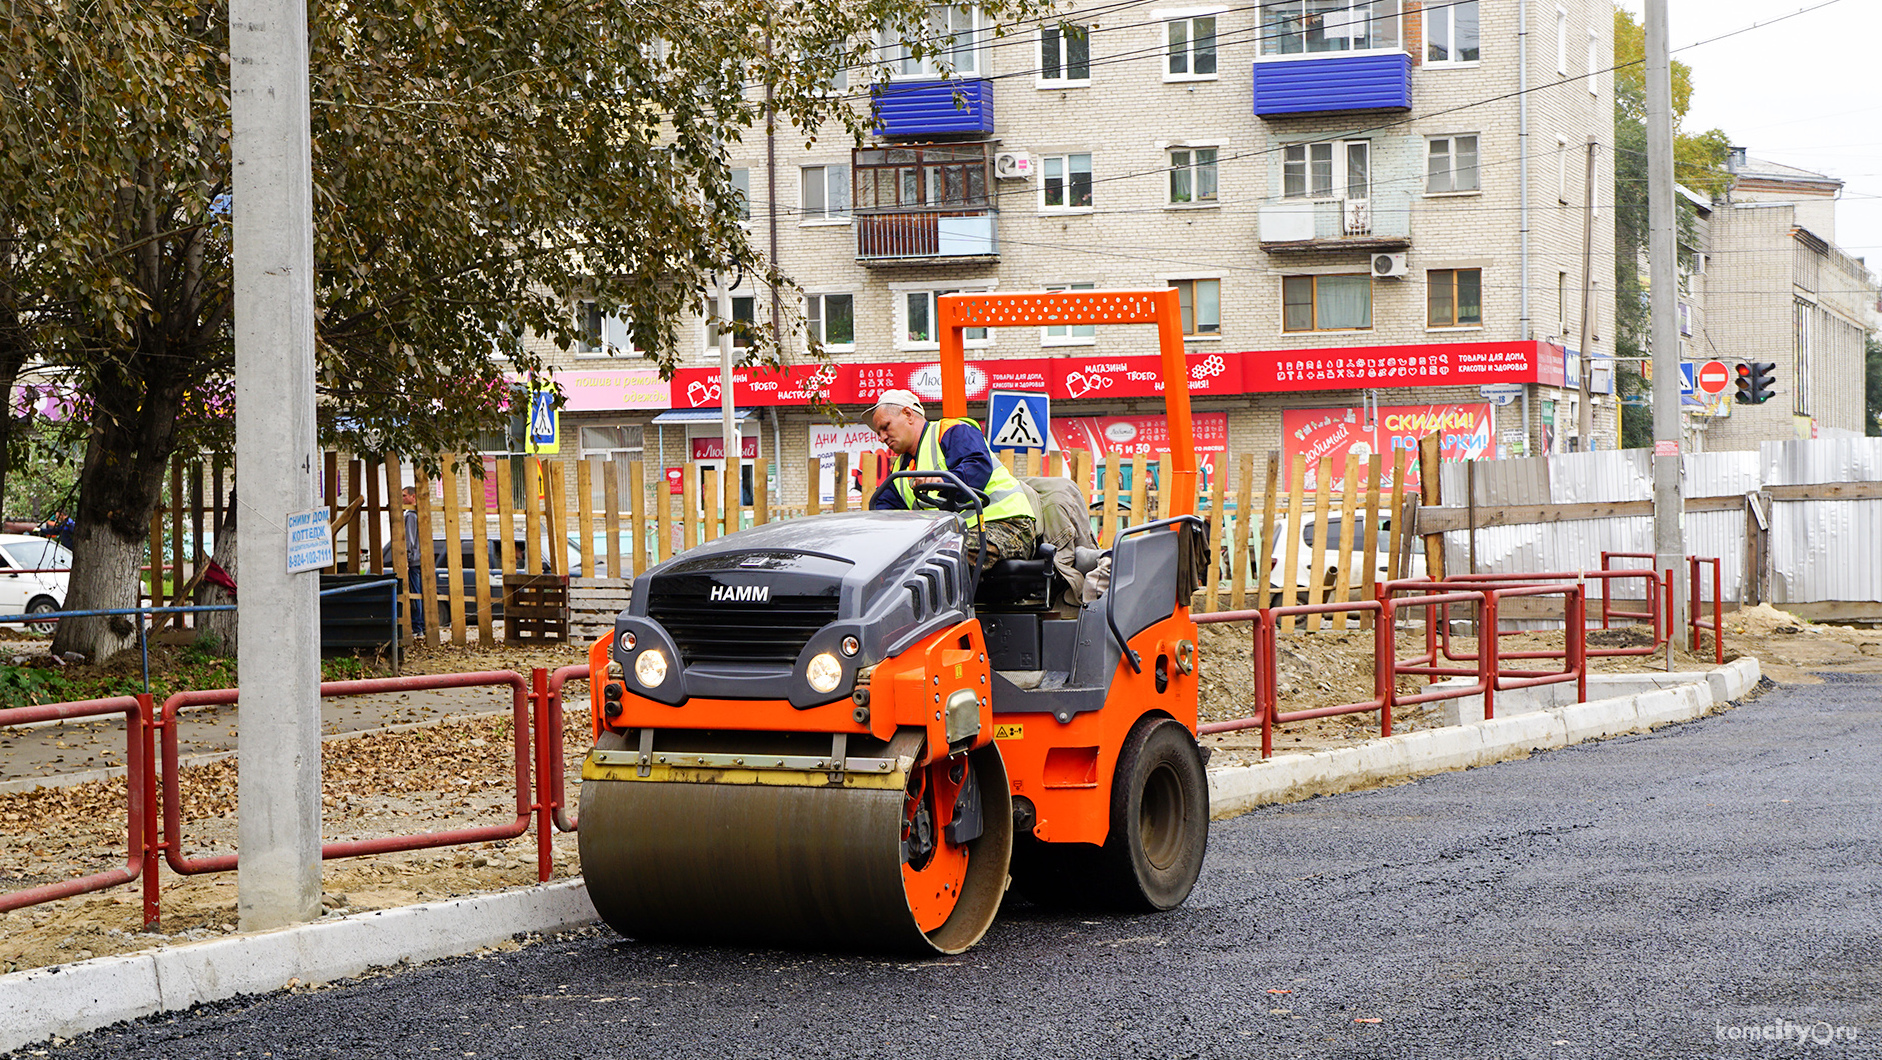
903	399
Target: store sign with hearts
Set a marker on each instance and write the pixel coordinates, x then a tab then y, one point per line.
1075	378
802	384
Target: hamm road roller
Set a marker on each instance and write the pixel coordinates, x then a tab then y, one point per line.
836	733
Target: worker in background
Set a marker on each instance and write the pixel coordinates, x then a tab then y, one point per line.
414	573
958	446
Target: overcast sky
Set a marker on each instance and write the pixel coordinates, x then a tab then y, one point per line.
1802	91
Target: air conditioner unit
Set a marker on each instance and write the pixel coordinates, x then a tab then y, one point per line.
1012	165
1389	266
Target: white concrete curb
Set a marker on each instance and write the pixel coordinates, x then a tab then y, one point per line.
1289	778
71	999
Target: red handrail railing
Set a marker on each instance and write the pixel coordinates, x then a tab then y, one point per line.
140	850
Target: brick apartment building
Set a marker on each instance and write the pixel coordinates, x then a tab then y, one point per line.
1371	208
1763	280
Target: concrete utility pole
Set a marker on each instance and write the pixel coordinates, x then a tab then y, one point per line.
278	623
1584	423
1669	513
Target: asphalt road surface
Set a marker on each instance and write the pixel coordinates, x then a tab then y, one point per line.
1710	890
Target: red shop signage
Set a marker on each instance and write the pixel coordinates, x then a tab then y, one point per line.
799	384
1213	372
1433	364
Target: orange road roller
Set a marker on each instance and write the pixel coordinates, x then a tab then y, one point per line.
836	733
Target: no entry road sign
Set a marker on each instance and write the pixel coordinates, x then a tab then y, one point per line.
1713	378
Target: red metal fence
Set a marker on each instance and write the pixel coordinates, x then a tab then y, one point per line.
153	771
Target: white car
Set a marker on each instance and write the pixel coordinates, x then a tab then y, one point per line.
1303	574
22	593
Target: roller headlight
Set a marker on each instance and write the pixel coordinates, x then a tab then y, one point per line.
824	673
650	668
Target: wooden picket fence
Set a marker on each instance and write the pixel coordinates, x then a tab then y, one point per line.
640	522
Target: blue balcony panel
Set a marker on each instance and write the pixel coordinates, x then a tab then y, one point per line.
927	108
1375	81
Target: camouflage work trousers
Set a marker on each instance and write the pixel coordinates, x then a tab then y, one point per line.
1006	539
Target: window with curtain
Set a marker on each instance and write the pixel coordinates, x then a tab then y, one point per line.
952	36
1454	298
1192	175
1202	306
1451	164
1065	182
1326	303
1314	170
825	193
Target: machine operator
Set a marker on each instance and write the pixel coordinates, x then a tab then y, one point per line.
957	446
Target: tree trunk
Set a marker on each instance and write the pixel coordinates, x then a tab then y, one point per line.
215	630
133	434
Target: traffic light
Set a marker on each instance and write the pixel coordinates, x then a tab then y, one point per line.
1755	382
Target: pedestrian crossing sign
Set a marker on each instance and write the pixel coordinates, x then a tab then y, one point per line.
544	422
1018	420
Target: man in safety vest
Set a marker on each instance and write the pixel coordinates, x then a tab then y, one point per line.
959	447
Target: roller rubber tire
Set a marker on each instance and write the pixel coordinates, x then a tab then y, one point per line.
1159	818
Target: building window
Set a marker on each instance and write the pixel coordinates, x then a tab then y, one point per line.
1064	55
952	39
826	193
1070	334
928	176
599	334
741	186
1304	27
744	325
1561	303
1190	54
1202	306
1326	303
1561	169
1192	175
1451	33
1561	41
1451	164
1454	298
830	320
1313	171
1065	182
921	324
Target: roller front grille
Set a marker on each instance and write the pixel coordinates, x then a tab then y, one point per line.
773	631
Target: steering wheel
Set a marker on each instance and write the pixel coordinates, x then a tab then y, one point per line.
941	495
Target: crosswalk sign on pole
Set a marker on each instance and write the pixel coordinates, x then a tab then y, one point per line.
1018	420
544	423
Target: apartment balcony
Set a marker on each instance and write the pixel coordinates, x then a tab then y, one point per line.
1293	85
1382	222
909	109
928	237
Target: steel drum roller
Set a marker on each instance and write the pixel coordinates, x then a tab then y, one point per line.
784	858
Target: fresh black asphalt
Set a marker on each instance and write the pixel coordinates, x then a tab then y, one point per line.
1708	890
